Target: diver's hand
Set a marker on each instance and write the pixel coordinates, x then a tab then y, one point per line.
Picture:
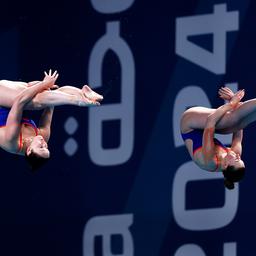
226	93
50	79
237	98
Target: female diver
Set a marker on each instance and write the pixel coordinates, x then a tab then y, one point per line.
199	124
20	135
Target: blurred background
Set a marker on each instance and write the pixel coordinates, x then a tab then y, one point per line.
120	181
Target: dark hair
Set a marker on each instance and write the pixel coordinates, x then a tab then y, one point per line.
35	161
232	175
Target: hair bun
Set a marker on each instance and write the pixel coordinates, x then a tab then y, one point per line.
229	184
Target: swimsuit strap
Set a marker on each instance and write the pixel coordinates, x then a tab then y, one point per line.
31	124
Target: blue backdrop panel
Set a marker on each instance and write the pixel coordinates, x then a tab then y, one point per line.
120	181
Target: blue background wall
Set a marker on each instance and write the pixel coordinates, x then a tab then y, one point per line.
120	181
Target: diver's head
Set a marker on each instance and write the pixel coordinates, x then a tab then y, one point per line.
233	169
37	152
232	159
232	175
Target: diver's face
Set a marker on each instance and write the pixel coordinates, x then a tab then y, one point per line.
234	159
39	147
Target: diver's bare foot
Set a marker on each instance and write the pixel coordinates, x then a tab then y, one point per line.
87	103
90	94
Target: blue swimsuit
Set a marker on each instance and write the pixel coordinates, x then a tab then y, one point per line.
4	112
197	137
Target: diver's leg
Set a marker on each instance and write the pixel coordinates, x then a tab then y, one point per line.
237	119
245	114
9	91
85	92
57	98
